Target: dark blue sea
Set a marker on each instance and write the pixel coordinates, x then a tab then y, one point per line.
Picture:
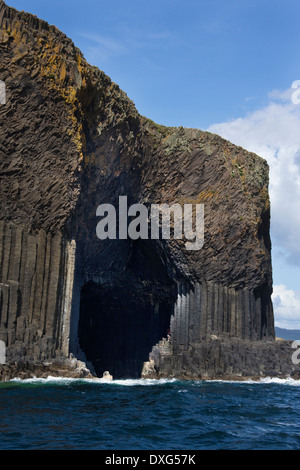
71	414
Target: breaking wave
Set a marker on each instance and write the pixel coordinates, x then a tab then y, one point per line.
50	380
145	414
67	380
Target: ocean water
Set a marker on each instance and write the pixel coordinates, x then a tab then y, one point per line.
72	414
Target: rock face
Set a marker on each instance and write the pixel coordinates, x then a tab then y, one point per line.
72	140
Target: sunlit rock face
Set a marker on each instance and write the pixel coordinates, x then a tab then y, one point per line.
71	140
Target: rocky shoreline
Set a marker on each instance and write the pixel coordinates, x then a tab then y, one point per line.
56	368
24	371
223	359
214	359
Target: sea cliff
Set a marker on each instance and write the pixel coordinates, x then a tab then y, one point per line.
71	140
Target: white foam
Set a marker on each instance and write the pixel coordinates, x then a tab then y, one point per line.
49	379
133	382
263	380
68	380
147	382
277	380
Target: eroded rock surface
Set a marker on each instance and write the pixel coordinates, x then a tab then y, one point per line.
71	140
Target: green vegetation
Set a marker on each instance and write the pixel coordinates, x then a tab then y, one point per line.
163	130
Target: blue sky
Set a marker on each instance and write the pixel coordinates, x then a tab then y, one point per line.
221	65
190	63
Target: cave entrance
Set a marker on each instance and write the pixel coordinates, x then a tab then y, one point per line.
119	325
116	333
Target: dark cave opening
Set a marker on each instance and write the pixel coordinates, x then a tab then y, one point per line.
119	324
116	333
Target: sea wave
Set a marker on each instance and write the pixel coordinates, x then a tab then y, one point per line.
277	380
70	413
68	380
264	380
51	380
133	382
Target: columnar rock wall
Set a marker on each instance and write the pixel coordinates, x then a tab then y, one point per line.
205	309
34	293
222	358
71	140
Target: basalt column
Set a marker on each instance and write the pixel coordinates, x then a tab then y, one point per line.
35	289
205	309
71	140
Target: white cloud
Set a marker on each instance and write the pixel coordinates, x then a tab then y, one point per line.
103	47
125	41
273	132
287	307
